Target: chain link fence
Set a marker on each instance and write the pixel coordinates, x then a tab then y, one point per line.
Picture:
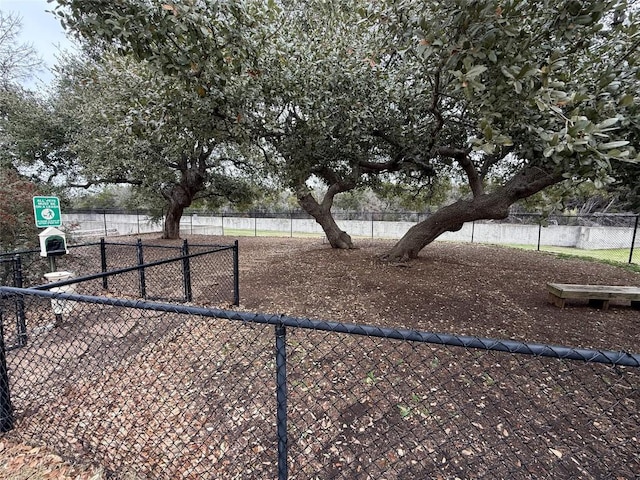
152	390
206	274
611	237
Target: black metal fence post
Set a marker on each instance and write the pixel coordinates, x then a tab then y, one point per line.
372	225
6	409
103	263
104	220
236	274
539	232
473	230
143	281
186	272
17	271
633	240
21	320
281	399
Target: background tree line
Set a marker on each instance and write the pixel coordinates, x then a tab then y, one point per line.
464	108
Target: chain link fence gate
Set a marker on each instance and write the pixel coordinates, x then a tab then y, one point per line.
153	390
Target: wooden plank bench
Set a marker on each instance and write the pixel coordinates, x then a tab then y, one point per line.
597	295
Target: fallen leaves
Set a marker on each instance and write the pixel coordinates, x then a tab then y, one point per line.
557	453
440	402
24	462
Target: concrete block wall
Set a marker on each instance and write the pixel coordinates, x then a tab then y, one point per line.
588	238
596	238
125	224
201	225
559	235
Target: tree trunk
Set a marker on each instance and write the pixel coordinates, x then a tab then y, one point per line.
178	201
171	229
193	174
178	198
448	219
485	206
322	214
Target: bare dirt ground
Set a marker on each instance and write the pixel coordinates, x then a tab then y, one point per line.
463	289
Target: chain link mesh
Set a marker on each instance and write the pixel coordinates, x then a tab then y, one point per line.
166	391
609	237
194	273
146	394
379	408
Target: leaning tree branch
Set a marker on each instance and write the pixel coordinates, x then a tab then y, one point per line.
378	167
529	181
391	165
462	157
337	184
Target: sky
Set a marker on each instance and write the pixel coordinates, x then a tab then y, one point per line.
42	31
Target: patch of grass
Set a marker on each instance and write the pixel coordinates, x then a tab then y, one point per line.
371	378
405	411
632	267
618	257
237	232
488	380
416	406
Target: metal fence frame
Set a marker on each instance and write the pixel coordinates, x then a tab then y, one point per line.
184	257
281	324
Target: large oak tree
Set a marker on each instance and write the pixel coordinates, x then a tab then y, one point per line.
547	92
140	127
165	105
335	105
507	97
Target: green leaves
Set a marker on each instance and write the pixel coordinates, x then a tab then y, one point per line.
334	85
609	122
613	145
475	71
626	100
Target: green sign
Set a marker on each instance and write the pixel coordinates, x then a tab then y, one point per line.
47	211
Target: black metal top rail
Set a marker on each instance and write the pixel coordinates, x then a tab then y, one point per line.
125	244
508	346
37	250
119	271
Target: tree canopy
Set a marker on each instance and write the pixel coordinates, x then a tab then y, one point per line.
17	62
509	97
546	91
141	127
163	104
